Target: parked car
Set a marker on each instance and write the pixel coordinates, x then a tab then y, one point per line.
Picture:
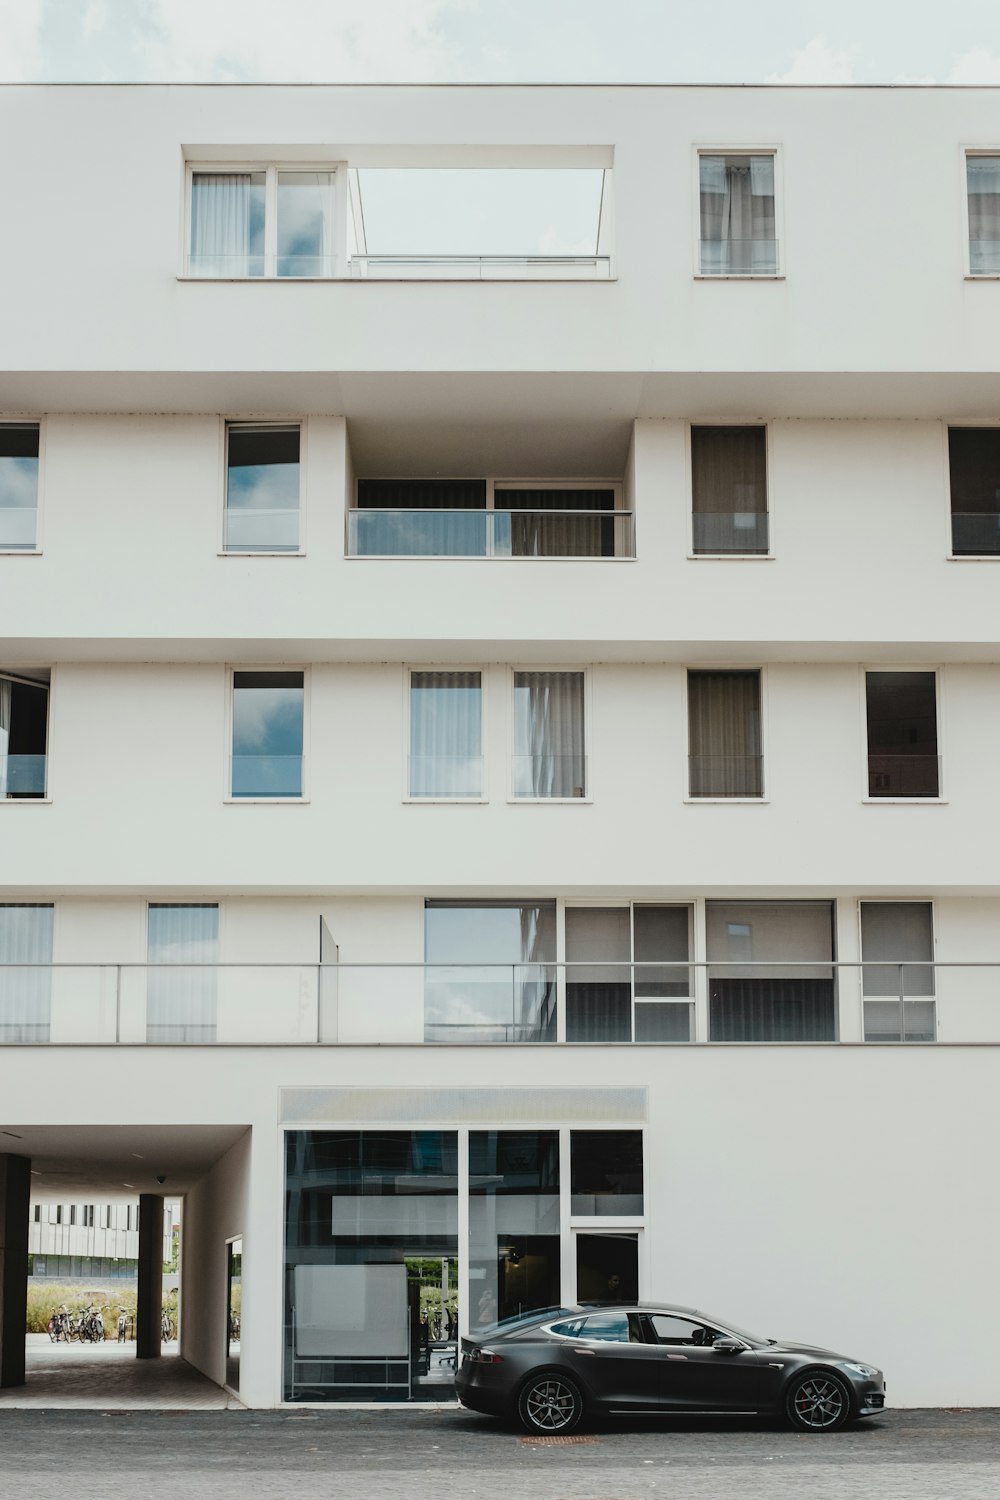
562	1366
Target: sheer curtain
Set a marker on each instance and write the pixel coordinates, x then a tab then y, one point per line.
227	224
984	213
546	531
729	489
182	947
737	214
6	690
25	993
446	734
549	756
724	734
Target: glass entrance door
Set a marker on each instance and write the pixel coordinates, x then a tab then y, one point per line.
607	1266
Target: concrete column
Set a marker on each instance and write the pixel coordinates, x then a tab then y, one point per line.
149	1301
15	1197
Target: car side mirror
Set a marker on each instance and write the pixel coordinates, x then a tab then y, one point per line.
728	1346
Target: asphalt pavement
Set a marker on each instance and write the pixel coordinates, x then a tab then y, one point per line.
454	1455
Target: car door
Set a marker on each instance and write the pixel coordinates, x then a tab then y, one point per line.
608	1354
697	1377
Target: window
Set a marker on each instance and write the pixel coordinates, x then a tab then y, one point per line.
974	463
902	734
488	518
37	1213
262	488
737	214
446	714
983	183
25	990
670	1329
729	485
18	486
770	974
497	980
897	945
724	737
182	951
549	755
606	1172
266	221
513	1222
624	974
608	1328
268	733
88	1215
24	718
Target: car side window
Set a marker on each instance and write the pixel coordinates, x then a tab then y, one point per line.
569	1330
610	1328
673	1330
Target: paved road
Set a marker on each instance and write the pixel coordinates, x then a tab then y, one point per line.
453	1455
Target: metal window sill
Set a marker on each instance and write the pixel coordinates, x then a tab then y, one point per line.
739	276
245	555
6	801
265	801
973	557
727	801
731	557
445	801
904	801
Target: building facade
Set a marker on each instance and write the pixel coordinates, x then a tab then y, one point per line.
497	738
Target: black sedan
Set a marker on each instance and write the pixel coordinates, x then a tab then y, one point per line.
555	1368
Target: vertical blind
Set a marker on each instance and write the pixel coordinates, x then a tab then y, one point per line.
25	993
724	734
729	489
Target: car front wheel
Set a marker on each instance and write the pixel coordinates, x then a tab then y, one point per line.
550	1404
818	1402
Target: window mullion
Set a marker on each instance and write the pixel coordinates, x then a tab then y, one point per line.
271	222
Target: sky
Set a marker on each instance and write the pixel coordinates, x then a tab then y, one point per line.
472	41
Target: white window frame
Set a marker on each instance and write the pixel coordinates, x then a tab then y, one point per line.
228	797
587	799
780	261
739	557
946	427
941	799
968	272
762	673
932	999
407	796
270	167
594	903
12	419
225	424
33	682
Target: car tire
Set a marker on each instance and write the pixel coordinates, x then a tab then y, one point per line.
818	1401
550	1404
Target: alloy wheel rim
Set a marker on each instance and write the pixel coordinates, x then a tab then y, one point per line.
550	1404
819	1403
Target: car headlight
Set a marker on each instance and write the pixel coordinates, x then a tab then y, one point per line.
866	1371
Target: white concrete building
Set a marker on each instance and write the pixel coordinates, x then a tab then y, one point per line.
469	703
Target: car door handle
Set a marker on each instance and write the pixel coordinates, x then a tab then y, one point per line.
584	1351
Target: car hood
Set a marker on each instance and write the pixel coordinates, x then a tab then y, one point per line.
782	1347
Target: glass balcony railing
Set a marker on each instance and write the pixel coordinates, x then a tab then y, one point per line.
524	1004
972	535
489	533
740	532
903	775
441	777
739	257
984	257
243	266
264	530
726	775
18	528
481	267
22	775
535	777
266	775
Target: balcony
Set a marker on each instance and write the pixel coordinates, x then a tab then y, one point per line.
527	1004
490	533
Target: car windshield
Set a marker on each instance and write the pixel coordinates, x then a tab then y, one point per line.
741	1333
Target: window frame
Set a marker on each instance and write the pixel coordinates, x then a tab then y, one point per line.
225	424
941	799
780	259
568	904
762	674
739	557
587	799
947	427
31	682
932	999
228	798
13	419
407	797
968	273
270	166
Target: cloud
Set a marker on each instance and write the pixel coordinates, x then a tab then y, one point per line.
975	66
299	40
818	62
20	40
95	17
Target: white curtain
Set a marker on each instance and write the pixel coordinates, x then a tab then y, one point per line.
445	734
305	223
224	236
25	992
549	735
724	734
182	950
737	213
984	213
6	689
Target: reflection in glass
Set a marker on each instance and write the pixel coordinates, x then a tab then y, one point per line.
305	223
267	734
549	758
497	977
18	486
24	716
902	734
446	734
513	1223
737	215
371	1227
770	973
227	224
606	1172
182	947
262	489
984	214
